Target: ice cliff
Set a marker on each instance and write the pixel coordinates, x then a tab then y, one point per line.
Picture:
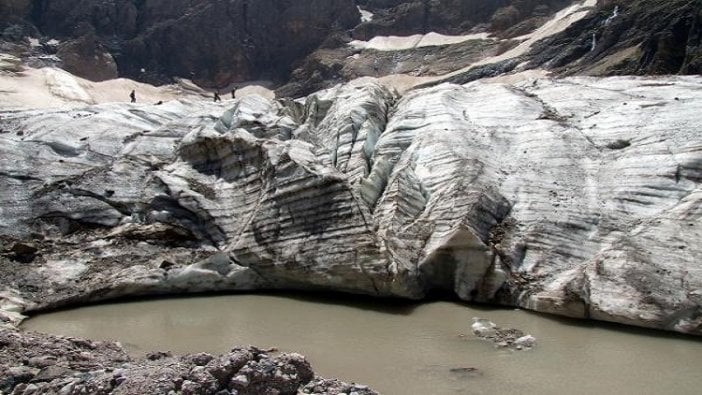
577	197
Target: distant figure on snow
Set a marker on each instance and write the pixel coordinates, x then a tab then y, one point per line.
159	102
216	97
234	93
133	96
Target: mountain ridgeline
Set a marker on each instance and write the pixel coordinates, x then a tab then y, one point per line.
220	42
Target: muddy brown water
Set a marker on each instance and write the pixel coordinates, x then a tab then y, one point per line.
401	348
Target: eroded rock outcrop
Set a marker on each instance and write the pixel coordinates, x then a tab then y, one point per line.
85	56
586	207
32	363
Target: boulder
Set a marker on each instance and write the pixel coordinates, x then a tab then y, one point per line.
86	57
526	341
482	327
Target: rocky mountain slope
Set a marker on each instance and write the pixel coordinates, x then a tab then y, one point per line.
402	17
585	207
220	43
213	42
629	37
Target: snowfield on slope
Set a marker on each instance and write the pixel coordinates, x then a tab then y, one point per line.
56	88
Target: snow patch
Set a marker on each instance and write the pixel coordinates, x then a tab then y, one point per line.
255	89
366	16
400	43
53	87
612	17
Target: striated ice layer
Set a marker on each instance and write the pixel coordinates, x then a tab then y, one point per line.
577	197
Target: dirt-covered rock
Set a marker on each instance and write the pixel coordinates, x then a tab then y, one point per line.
33	363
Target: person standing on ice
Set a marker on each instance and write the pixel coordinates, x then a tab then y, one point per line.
133	96
216	97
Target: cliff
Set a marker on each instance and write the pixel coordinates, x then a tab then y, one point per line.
585	206
213	42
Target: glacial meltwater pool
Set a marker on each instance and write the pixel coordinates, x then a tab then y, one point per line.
401	348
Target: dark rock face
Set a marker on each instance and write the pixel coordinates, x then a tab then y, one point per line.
14	24
13	11
215	42
394	17
236	40
645	37
86	57
72	18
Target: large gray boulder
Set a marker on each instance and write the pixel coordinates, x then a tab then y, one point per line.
577	197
